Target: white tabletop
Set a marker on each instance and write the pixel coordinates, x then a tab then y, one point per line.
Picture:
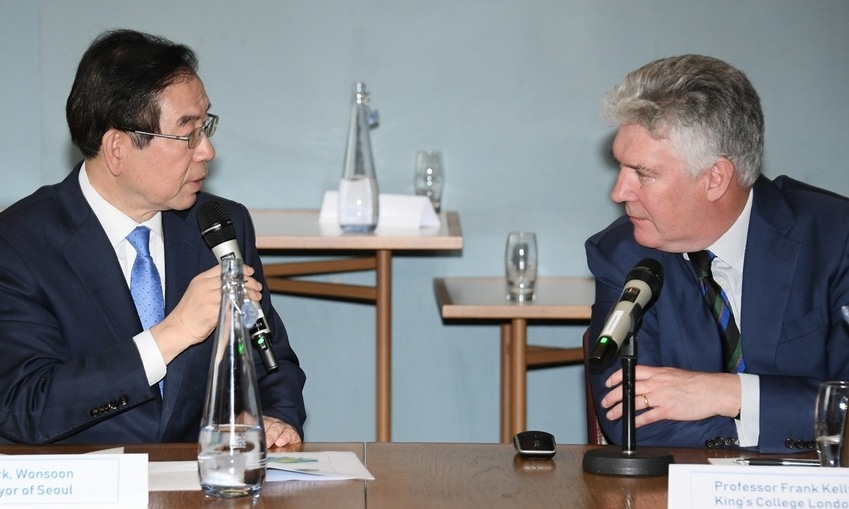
300	229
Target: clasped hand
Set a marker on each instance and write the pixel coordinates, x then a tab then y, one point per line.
664	393
196	315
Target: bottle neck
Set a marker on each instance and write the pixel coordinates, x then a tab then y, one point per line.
232	271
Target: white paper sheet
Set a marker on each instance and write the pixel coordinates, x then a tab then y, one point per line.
303	466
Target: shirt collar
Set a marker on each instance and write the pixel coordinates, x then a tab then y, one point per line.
116	224
731	246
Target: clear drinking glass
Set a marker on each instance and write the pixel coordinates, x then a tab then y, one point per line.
430	176
830	423
520	261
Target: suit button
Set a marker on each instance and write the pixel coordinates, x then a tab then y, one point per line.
123	400
810	444
113	405
709	443
93	412
800	444
789	443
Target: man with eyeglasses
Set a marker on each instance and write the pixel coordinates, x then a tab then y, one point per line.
78	366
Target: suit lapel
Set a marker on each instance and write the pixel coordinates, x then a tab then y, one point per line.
185	256
103	282
182	256
698	340
85	241
771	259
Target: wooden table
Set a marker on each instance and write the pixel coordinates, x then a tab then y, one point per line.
299	232
493	476
485	298
348	494
423	476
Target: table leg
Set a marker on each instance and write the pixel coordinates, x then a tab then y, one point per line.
279	279
518	375
505	382
383	305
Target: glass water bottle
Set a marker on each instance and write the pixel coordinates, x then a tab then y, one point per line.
358	194
231	447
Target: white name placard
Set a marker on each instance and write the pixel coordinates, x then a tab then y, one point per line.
773	487
76	480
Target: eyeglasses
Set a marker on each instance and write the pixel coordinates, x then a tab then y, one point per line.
195	137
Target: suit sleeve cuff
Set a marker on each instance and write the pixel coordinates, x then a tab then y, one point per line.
748	425
154	364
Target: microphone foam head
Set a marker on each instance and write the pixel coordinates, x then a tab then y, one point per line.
215	224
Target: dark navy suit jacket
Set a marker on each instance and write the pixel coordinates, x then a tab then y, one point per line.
795	280
69	370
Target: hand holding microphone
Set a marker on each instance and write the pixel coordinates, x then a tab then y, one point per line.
218	232
642	285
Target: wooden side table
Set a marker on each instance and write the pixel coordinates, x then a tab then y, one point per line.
566	299
299	232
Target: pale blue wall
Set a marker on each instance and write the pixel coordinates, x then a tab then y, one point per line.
508	90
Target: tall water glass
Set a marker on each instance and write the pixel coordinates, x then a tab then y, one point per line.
231	446
430	176
520	261
830	423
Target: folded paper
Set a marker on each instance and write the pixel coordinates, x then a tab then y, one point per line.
396	211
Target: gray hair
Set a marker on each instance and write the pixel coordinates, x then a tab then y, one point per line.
704	106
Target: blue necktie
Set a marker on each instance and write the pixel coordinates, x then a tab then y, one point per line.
717	301
145	284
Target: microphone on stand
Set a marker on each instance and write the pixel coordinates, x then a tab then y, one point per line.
218	232
618	335
642	285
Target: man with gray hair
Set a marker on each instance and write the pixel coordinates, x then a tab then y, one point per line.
748	322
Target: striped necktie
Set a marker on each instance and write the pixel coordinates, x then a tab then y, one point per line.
717	301
145	284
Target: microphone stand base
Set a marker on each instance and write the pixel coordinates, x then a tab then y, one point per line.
639	463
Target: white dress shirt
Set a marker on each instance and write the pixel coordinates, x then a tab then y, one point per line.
727	270
117	226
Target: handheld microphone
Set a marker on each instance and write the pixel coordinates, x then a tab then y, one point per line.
642	285
218	232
